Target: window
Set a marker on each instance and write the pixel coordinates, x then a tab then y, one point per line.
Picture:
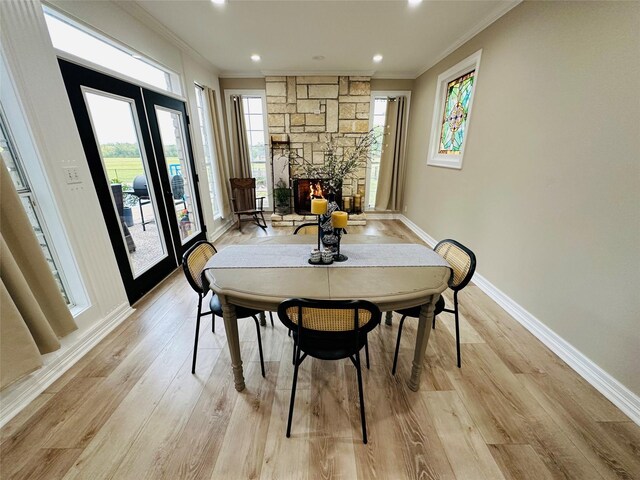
208	147
378	125
16	171
452	113
456	112
71	37
254	122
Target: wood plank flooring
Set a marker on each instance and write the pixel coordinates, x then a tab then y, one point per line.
130	409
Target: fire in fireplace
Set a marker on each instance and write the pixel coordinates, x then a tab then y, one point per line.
305	189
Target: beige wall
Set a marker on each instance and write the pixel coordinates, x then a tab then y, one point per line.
549	194
390	84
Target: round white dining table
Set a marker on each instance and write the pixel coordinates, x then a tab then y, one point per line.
389	287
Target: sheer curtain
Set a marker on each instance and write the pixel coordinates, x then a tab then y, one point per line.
241	153
391	175
33	313
222	163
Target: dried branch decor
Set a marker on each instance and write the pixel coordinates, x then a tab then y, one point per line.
339	162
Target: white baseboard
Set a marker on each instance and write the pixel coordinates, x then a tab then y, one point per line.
33	385
612	389
382	215
218	232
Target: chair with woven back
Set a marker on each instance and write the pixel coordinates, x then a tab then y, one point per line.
194	261
329	330
463	265
245	203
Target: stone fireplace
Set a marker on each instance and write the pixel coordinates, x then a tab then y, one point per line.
313	109
305	189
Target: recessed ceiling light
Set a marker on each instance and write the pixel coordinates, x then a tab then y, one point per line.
219	2
255	57
377	58
415	2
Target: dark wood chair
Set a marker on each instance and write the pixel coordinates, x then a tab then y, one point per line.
193	263
329	330
245	203
463	263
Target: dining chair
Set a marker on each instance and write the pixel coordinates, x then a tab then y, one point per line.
193	263
141	190
463	265
329	330
245	203
177	190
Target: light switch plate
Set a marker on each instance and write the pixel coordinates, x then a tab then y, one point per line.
72	175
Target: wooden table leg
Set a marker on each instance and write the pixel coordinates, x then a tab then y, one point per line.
231	330
388	318
422	338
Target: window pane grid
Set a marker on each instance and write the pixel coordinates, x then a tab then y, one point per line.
379	122
254	124
9	155
207	145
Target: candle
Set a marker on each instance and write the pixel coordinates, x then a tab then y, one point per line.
339	219
346	201
318	206
357	203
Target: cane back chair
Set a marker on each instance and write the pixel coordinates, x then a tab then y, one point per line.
193	263
463	265
329	330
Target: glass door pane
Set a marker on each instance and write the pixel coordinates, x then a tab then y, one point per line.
176	156
126	170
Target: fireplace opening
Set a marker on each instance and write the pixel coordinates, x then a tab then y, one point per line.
305	189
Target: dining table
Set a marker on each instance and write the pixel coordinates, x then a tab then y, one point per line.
385	270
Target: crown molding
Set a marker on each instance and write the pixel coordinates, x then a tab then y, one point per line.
318	73
232	74
394	76
144	17
503	9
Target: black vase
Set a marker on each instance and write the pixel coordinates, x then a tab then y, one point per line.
328	238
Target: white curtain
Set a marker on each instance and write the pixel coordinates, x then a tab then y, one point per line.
33	314
392	167
240	143
222	163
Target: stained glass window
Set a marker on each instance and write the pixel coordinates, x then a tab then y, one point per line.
456	111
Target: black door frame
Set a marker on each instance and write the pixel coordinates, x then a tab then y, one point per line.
75	77
151	100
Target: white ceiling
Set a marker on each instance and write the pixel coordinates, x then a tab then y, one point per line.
287	34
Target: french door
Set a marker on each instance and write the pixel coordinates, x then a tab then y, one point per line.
139	153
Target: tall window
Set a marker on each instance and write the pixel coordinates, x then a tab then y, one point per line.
452	113
208	146
16	171
456	112
71	37
254	121
378	125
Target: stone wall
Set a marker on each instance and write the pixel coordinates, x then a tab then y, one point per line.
314	109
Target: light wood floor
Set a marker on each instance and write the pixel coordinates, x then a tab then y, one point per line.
132	409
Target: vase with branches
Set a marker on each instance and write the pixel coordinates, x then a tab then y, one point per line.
340	163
